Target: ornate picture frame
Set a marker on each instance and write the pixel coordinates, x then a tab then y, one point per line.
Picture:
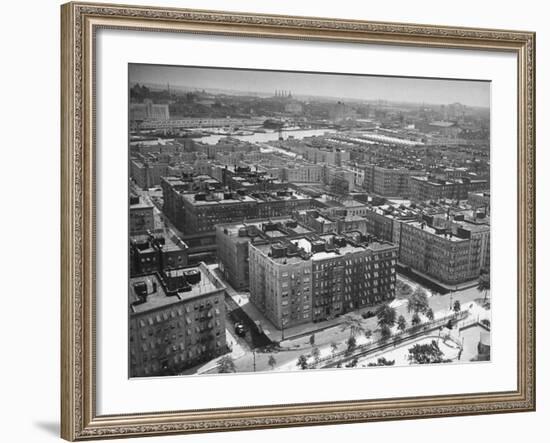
80	22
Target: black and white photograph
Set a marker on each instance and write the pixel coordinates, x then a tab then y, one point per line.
296	221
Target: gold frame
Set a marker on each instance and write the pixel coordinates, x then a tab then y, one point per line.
79	21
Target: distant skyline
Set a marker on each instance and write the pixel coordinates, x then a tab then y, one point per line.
357	87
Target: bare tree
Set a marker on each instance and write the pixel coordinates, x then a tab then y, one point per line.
272	362
353	323
418	302
226	364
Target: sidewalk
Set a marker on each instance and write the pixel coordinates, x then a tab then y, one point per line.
269	329
292	333
410	274
242	299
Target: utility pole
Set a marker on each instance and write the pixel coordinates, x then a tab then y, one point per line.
254	358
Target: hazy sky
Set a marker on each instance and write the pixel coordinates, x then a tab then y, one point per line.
467	92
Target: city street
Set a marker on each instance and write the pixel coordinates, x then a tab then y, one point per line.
287	354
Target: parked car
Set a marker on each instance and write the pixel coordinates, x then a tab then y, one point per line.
240	330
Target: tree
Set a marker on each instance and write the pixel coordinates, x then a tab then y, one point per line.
333	348
353	363
418	301
416	320
484	285
302	362
226	364
386	316
401	323
385	331
382	362
368	334
353	323
456	306
272	361
403	288
316	354
426	354
352	344
312	339
430	314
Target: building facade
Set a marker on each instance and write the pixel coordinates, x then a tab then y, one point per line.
142	218
149	111
388	181
232	244
199	213
177	320
428	188
451	252
148	174
156	252
316	278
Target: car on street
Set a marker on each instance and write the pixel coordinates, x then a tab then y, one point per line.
240	329
368	314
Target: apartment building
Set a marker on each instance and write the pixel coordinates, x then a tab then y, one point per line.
141	216
449	251
199	213
389	181
155	252
177	320
232	244
315	278
431	188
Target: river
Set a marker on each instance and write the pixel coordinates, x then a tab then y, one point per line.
262	137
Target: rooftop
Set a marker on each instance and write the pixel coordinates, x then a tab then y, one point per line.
217	198
158	294
315	248
442	124
141	205
280	227
435	182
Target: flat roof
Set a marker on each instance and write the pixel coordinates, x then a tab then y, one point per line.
233	228
141	205
159	298
431	230
265	248
220	200
306	244
474	227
